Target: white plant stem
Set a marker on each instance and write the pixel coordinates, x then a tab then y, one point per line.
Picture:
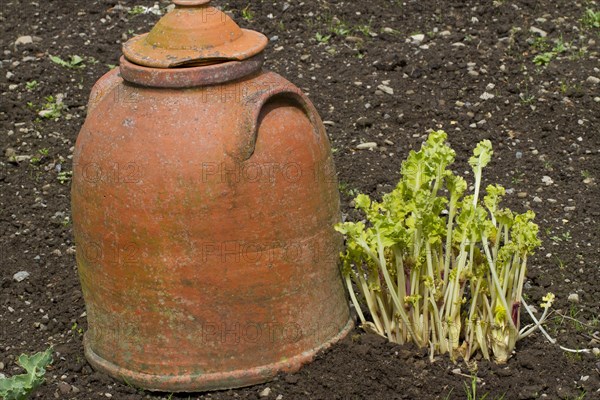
538	325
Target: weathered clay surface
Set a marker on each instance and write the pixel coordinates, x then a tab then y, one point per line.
204	218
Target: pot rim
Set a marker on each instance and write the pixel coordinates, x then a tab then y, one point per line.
187	77
214	380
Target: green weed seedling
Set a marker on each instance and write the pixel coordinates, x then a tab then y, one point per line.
541	44
591	19
31	85
547	56
74	62
247	14
40	156
518	177
19	387
565	237
345	189
53	108
340	29
365	29
543	59
76	329
64	177
527	98
471	391
322	38
137	10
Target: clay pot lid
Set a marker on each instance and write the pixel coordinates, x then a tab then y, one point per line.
193	34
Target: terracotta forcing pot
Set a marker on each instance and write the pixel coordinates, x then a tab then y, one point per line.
204	198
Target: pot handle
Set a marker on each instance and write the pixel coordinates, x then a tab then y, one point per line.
255	103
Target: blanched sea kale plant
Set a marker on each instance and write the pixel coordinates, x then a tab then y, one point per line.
438	267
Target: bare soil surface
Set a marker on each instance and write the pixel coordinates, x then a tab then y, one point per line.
523	73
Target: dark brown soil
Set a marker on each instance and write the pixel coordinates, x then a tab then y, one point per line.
544	122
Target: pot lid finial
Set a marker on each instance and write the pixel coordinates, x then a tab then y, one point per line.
193	34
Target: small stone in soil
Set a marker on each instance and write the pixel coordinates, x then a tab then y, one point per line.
10	153
21	276
64	387
367	146
530	392
417	39
265	393
593	80
386	89
547	180
364	122
573	298
24	40
539	31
